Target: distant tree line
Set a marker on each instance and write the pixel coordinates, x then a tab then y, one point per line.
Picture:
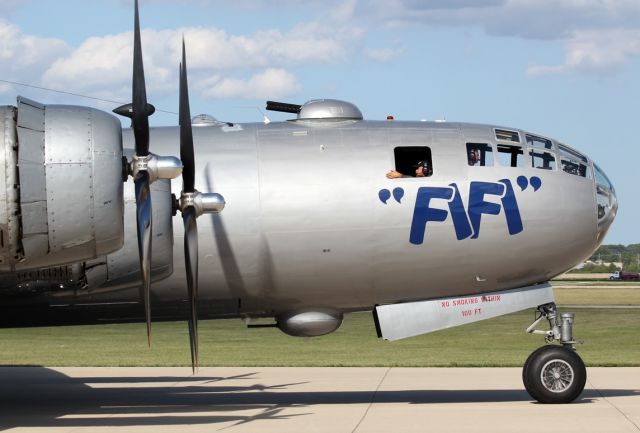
629	255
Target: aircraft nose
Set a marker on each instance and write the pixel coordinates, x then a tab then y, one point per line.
606	202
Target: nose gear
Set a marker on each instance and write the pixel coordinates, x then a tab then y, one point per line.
554	374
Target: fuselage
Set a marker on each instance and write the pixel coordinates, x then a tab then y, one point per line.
312	222
306	223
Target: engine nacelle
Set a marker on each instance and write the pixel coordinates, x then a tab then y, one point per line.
61	189
309	322
102	279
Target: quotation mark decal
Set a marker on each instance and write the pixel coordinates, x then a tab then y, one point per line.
535	182
385	195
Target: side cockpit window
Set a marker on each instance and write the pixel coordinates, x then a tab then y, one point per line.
605	196
543	160
573	162
411	161
510	156
602	179
479	154
540	150
539	142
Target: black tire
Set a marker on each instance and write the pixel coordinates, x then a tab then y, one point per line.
554	374
525	369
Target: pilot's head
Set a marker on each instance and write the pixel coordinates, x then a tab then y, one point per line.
473	155
422	168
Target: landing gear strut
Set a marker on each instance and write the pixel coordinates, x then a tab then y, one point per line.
554	374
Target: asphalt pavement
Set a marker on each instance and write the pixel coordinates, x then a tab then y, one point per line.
306	400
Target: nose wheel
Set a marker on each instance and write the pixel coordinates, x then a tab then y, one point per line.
554	374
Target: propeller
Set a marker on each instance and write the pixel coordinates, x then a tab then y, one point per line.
192	204
145	167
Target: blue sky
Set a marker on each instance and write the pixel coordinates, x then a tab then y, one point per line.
565	69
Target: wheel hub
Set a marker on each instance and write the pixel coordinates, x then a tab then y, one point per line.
557	375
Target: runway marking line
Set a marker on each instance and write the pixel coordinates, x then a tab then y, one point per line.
614	406
373	398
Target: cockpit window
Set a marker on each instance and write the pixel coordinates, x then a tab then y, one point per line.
572	167
544	160
412	161
510	156
576	155
479	154
605	197
573	162
602	179
504	135
539	142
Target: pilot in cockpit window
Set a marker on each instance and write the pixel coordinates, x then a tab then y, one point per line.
422	169
473	156
411	161
479	154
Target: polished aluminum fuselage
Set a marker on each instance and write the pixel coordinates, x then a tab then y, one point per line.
304	224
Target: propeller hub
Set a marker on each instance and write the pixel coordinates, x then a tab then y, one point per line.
158	167
126	110
202	203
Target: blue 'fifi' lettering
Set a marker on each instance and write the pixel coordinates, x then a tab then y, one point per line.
510	206
466	223
477	204
459	215
423	213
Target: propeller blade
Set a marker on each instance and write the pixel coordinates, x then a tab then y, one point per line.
191	264
144	223
140	110
186	134
189	213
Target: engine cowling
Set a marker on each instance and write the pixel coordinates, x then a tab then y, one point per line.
61	189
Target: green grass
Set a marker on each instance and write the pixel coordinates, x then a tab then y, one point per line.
596	284
610	336
611	339
597	295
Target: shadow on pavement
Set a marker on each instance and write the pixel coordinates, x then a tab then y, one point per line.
41	397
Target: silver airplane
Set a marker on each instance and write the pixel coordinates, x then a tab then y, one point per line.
428	225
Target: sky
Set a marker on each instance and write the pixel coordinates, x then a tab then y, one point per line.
563	69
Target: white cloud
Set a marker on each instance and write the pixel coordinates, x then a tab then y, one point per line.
105	62
599	35
545	19
272	83
383	55
343	11
98	61
595	51
23	58
540	19
23	50
243	4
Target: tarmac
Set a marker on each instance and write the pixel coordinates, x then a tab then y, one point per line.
258	399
